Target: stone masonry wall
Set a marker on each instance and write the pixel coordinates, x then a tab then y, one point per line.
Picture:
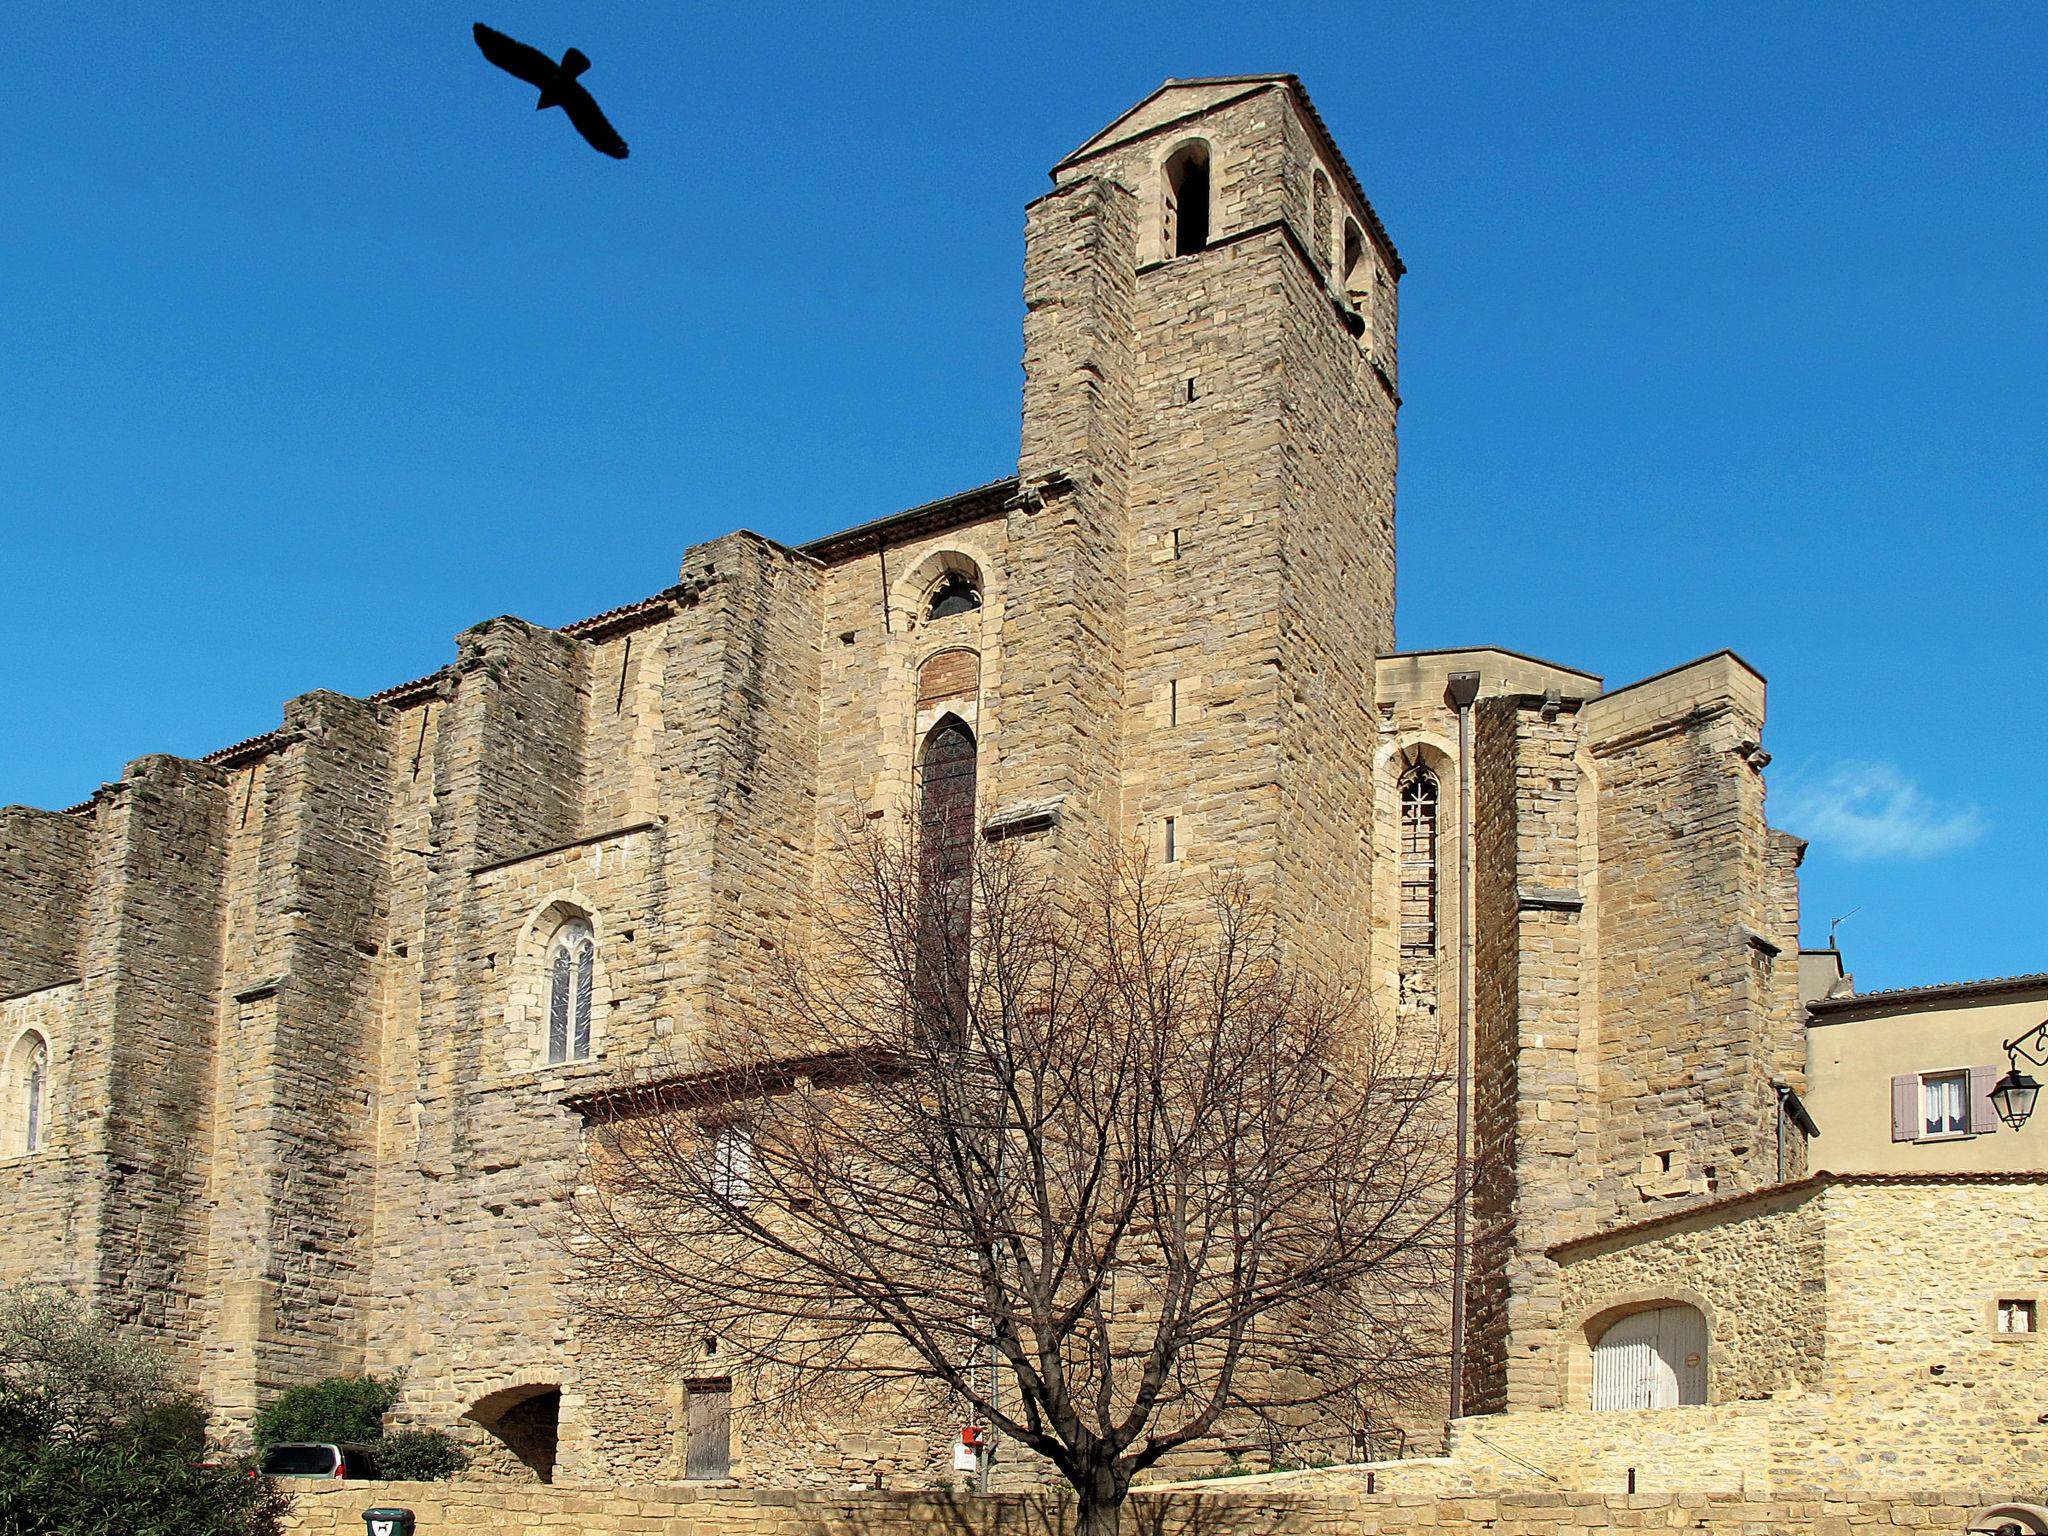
152	971
291	1157
1689	1036
1067	549
1840	1354
43	869
671	1511
1757	1280
49	1197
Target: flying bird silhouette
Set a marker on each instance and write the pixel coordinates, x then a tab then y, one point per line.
558	84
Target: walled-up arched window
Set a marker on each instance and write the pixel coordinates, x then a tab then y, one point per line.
957	592
31	1081
1655	1358
1419	882
1187	200
572	976
945	818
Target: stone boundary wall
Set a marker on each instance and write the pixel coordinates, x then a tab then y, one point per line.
674	1511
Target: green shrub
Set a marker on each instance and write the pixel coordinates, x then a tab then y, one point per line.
92	1488
420	1456
346	1409
97	1440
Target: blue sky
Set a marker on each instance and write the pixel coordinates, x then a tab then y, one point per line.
1724	326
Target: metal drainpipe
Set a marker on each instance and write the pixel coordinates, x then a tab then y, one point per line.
1462	689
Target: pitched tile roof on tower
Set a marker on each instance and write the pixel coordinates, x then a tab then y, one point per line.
1320	129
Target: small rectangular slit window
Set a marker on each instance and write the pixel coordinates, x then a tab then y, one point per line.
2016	1316
1172	844
1176	543
1173	701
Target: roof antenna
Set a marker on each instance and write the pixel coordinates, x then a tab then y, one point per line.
1838	923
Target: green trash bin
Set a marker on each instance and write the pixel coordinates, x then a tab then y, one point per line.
387	1522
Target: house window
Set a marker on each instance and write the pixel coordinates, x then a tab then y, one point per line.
2016	1316
957	593
1944	1104
1418	864
1955	1101
732	1163
572	972
1187	200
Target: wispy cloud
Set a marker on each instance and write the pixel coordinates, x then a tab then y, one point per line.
1871	811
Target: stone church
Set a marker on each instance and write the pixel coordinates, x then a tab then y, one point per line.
291	1031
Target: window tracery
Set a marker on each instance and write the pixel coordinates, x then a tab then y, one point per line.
1418	864
572	971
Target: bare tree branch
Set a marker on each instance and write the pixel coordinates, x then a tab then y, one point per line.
1115	1142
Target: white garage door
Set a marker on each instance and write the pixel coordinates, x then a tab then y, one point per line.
1653	1359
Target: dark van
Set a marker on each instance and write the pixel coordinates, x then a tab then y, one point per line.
311	1459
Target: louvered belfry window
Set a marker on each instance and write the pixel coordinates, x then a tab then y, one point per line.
946	823
1418	864
572	974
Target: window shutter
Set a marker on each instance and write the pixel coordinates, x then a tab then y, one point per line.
1983	1118
1906	1107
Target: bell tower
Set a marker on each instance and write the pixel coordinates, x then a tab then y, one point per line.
1206	508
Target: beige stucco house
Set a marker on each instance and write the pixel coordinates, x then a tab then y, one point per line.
1899	1081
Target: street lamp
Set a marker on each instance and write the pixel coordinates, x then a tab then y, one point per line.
2014	1094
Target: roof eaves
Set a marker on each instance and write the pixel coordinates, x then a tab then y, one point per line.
1812	1183
953	511
1890	999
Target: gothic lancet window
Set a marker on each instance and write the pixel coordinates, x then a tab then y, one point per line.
572	967
946	806
34	1085
1418	864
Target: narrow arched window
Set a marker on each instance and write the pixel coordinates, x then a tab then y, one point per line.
945	820
35	1078
572	977
1187	200
1418	864
957	593
1358	267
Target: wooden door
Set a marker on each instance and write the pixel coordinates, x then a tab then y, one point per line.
1652	1359
709	1452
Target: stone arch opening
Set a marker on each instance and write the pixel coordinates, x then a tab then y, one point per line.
524	1426
2012	1520
1186	210
944	578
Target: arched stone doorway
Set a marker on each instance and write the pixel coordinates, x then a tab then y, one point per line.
524	1424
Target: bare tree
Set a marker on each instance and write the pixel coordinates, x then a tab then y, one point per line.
1103	1166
